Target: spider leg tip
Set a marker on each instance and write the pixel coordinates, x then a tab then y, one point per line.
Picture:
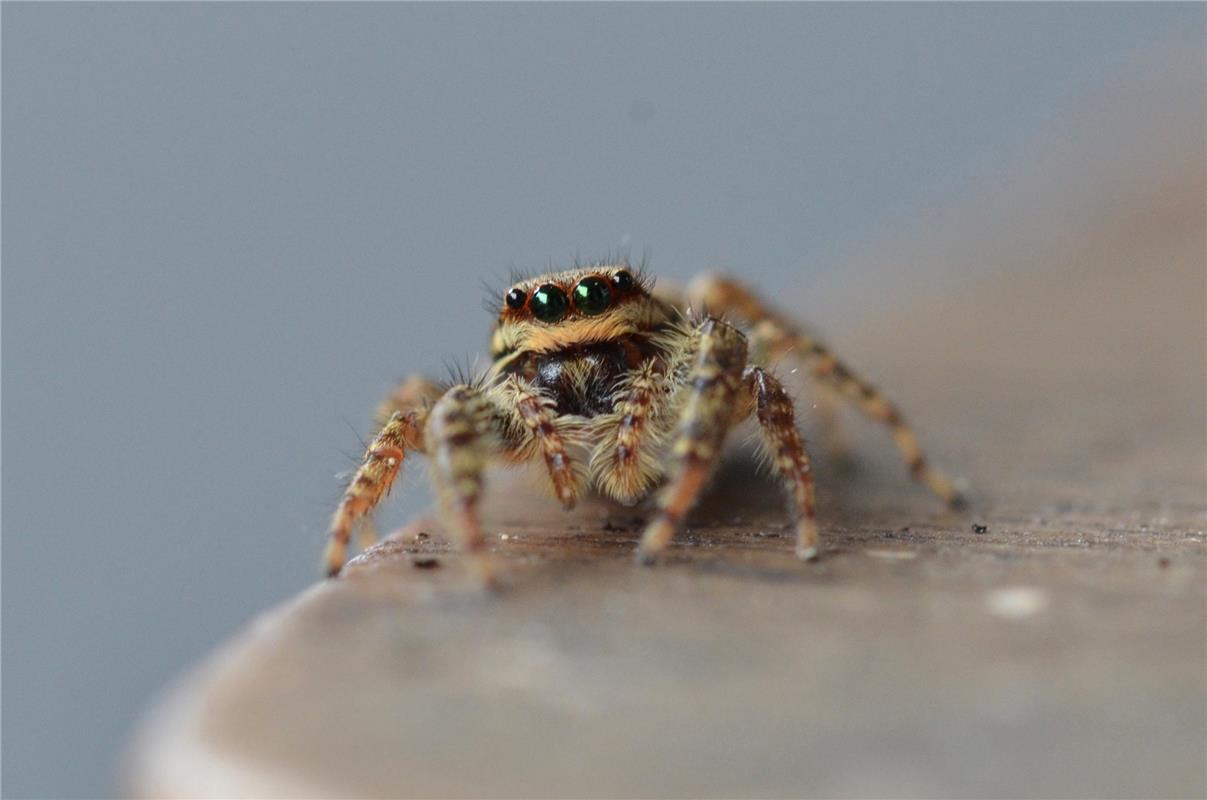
807	553
645	558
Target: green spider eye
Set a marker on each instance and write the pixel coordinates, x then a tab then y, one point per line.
591	296
549	303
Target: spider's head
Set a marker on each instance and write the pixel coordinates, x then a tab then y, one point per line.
559	310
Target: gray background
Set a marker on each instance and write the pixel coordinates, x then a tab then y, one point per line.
228	228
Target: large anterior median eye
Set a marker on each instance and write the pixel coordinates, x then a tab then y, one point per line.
591	296
549	303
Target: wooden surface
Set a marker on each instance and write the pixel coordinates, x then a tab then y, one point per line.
1062	652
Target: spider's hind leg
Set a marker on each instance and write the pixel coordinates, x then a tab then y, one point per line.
773	335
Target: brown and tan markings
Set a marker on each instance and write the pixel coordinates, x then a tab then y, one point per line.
619	389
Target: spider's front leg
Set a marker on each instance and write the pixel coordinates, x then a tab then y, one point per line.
462	433
532	427
712	386
774	335
470	426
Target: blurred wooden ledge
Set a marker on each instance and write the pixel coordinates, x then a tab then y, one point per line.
1060	656
1061	652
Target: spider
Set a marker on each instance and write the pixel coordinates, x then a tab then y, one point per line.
619	387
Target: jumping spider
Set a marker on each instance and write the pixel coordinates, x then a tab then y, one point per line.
614	385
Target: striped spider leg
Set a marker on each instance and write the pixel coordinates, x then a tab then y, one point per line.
719	391
774	335
461	432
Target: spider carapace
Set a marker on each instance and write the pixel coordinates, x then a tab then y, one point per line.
616	386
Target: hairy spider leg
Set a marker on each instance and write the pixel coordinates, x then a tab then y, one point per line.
782	442
414	392
461	435
383	458
461	431
777	336
712	385
471	426
826	400
624	461
542	432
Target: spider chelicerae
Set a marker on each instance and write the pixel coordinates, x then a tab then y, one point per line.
620	387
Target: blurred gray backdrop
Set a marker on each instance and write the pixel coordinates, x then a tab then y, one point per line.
228	228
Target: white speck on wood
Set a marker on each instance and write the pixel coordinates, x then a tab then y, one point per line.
1016	602
892	555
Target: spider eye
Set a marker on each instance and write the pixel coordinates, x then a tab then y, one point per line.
549	303
623	281
591	296
515	299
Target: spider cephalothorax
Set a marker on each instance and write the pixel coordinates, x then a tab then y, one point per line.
576	336
614	386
